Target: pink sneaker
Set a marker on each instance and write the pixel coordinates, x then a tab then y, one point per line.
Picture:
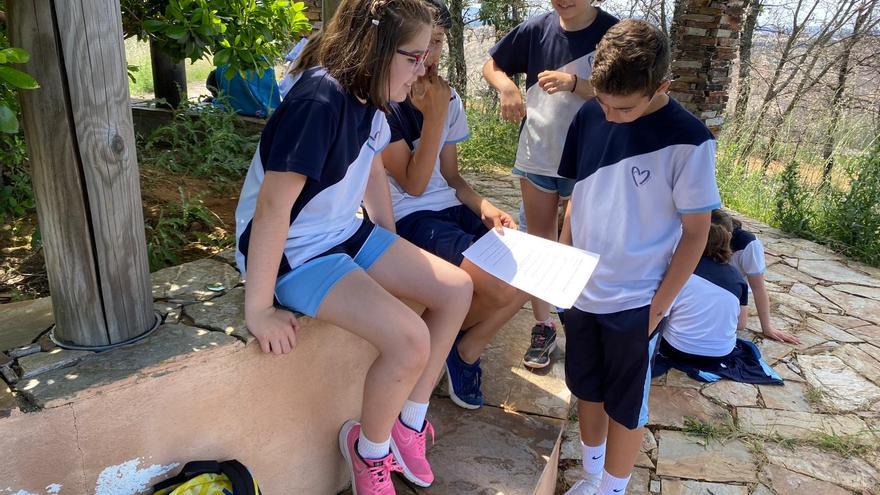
408	447
368	476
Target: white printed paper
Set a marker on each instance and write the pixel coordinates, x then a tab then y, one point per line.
545	269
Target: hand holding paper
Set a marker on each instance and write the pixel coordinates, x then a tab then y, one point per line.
545	269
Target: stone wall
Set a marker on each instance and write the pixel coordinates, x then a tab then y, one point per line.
704	46
313	11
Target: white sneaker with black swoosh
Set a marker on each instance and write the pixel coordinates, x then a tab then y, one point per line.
586	486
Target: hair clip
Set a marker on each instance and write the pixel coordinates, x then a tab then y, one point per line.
375	22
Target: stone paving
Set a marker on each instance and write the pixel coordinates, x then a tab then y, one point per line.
817	434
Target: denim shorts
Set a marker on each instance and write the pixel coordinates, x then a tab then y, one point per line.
558	185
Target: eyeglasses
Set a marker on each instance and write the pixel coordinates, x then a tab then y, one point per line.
419	57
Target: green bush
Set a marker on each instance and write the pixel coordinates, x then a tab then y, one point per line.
792	211
843	213
177	225
16	193
202	141
851	216
492	142
245	34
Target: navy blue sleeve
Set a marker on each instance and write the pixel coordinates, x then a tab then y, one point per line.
395	125
300	138
744	294
511	54
568	162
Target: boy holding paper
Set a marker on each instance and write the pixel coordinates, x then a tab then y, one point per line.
436	209
645	187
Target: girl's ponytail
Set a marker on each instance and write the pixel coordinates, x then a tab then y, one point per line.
720	232
718	244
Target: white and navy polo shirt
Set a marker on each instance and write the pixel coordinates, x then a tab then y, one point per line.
532	47
748	253
329	136
705	314
406	121
634	181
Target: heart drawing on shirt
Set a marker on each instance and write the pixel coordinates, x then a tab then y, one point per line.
640	176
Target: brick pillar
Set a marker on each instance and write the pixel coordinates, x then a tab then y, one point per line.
313	12
704	39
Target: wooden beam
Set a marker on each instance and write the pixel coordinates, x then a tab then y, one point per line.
328	8
80	138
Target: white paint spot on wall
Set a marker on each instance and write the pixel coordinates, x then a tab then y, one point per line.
19	492
127	479
53	489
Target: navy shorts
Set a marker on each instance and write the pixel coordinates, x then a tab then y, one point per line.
445	233
608	358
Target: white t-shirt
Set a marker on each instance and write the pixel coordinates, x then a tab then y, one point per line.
634	181
748	253
326	134
705	314
530	48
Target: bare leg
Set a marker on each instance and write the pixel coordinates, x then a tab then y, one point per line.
493	305
445	291
360	305
593	422
623	448
541	210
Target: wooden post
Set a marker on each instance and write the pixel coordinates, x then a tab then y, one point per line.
169	77
81	143
328	8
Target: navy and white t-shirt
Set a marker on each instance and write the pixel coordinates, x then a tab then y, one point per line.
405	121
748	253
634	181
532	47
328	135
705	314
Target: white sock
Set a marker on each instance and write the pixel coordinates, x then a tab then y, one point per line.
611	485
594	460
413	414
372	450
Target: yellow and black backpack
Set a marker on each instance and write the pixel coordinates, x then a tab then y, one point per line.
210	478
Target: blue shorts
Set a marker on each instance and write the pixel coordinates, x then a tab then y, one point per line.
559	185
445	233
608	358
305	287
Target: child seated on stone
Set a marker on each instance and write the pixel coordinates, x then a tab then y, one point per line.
700	335
748	258
438	211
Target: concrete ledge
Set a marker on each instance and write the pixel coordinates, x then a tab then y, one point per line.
145	409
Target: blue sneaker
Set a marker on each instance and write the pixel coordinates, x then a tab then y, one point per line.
464	381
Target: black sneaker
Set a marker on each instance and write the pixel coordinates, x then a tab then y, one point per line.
543	345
